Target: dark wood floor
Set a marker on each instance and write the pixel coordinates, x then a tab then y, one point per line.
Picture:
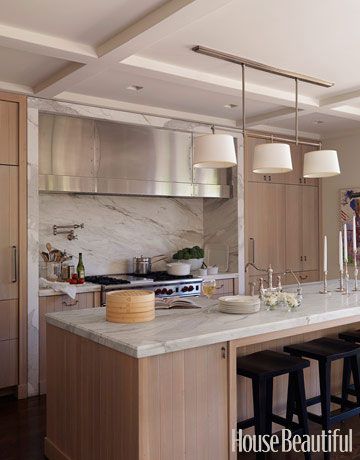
22	431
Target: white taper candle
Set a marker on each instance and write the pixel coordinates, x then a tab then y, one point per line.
341	260
345	244
354	234
325	253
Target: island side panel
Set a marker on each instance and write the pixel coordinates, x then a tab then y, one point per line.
92	400
184	405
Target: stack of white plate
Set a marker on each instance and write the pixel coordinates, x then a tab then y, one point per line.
239	304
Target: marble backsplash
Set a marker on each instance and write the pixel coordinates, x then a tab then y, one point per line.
117	228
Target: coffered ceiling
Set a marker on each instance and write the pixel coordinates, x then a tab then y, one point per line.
92	51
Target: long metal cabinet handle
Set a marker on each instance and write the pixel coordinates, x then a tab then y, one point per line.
14	279
253	249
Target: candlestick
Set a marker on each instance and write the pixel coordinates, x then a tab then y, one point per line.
325	290
341	258
356	271
346	292
325	254
341	281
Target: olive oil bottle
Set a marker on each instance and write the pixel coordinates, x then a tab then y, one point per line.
80	269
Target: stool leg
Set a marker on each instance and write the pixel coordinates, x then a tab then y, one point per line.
269	405
290	406
301	406
345	382
355	368
324	374
259	397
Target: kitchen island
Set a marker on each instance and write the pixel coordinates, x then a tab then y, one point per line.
168	389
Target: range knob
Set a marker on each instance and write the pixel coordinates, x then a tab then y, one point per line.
170	291
164	291
185	289
157	291
191	288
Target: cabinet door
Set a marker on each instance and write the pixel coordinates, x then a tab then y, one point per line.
9	133
310	215
305	149
294	228
9	232
250	144
265	217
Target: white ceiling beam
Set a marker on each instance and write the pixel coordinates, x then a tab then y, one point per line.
15	88
46	45
280	114
340	99
153	27
214	83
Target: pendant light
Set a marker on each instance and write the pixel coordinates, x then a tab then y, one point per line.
321	163
214	151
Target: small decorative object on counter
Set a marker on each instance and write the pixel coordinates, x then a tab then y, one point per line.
214	270
193	256
130	306
274	300
80	269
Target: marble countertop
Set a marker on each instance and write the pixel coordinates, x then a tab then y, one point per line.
80	288
174	330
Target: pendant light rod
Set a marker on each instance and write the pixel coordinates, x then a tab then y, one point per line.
259	66
296	111
243	96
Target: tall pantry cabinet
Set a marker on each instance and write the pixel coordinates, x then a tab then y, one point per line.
281	219
13	248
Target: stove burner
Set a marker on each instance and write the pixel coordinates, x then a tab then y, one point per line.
105	280
162	276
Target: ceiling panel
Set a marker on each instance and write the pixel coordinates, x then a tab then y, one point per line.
319	123
298	36
112	84
25	68
86	21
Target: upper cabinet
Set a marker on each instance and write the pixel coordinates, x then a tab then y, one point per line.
9	133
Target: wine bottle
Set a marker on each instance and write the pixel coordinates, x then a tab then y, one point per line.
80	269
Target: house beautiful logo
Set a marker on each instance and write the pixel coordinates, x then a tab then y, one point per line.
284	441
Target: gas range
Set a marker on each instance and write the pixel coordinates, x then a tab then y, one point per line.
163	284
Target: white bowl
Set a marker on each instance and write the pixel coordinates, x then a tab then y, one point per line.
213	270
178	269
202	272
195	264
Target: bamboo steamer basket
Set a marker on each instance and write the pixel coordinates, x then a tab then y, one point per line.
130	306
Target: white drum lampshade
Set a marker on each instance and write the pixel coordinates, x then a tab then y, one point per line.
272	158
321	163
214	151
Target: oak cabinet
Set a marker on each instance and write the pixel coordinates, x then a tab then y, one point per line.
302	227
50	304
265	223
13	248
9	133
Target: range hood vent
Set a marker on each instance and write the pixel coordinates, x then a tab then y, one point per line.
81	155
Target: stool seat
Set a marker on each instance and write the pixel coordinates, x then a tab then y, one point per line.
269	363
350	336
323	349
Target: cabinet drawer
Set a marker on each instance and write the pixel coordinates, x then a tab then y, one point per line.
8	363
9	319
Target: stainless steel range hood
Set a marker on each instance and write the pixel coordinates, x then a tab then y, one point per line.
80	155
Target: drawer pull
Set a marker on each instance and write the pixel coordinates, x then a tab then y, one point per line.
223	352
70	304
220	286
303	278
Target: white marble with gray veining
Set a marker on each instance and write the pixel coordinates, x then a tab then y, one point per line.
117	228
174	330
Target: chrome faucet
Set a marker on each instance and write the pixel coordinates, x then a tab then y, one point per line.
269	272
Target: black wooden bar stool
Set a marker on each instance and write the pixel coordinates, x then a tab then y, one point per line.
353	337
261	368
325	350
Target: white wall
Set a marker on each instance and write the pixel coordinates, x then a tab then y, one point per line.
348	148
